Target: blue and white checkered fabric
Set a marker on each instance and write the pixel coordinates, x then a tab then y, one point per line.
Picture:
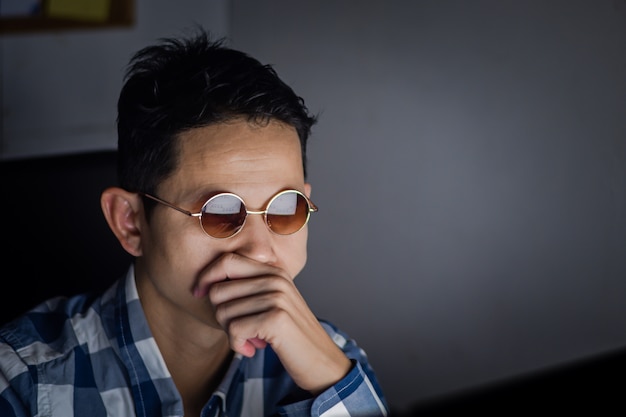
82	356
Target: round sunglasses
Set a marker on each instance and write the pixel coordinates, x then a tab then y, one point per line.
224	214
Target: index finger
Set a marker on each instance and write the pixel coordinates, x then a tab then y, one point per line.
231	266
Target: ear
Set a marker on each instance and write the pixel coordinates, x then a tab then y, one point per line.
123	211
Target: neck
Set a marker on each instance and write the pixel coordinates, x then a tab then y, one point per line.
196	369
196	354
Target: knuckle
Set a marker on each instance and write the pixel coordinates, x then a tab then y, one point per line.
233	328
280	283
214	292
221	315
277	315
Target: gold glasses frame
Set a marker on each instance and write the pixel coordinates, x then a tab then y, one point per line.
312	208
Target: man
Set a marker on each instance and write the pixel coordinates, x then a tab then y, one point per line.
213	205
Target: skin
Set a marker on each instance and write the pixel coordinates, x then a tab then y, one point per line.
205	298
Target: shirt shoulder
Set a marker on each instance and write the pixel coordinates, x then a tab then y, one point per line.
41	348
53	327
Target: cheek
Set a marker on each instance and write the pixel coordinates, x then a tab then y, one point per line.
173	269
294	253
175	252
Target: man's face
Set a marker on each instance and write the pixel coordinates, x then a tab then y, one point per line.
254	162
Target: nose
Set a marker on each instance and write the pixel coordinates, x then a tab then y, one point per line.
256	240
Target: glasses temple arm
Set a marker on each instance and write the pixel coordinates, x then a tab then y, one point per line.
170	205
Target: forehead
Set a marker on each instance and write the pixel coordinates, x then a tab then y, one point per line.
237	153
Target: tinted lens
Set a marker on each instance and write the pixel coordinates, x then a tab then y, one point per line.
223	215
287	213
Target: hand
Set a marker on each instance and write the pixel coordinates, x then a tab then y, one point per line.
257	304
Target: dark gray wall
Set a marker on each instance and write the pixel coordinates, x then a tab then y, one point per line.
470	168
469	165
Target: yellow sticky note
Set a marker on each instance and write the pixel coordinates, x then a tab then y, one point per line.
91	10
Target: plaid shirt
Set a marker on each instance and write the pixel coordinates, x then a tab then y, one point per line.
95	356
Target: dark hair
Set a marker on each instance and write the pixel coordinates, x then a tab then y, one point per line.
184	83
